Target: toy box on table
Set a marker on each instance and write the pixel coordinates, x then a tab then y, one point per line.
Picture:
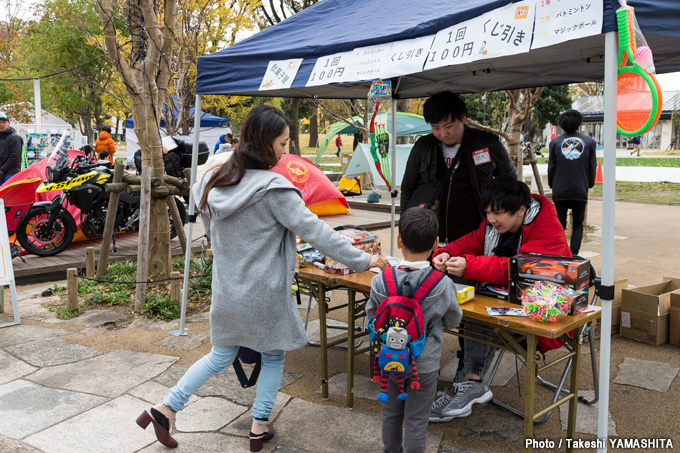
361	239
527	268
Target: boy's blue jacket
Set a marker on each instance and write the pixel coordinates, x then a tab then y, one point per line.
440	309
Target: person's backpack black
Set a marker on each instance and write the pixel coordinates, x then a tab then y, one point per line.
247	355
138	160
173	164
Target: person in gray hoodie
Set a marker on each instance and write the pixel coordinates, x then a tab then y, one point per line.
252	216
417	238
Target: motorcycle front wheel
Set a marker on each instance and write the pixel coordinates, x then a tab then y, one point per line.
35	237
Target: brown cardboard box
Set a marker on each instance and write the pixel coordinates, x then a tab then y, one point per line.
675	319
645	311
619	285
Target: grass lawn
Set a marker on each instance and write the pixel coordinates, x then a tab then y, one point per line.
668	162
653	192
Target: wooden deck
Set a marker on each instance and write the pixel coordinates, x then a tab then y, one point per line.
35	269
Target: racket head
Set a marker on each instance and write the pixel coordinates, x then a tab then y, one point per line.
637	101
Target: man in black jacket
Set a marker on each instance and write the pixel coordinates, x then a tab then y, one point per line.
572	166
10	150
454	164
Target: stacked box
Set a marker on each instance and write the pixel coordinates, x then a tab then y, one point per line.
674	314
527	268
645	311
361	239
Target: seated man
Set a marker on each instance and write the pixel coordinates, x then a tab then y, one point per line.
516	222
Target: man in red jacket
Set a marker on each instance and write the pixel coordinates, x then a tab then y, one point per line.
516	222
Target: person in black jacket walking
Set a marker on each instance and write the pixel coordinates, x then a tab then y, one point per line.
449	169
10	150
572	166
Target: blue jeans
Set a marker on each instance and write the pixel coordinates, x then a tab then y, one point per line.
218	360
478	356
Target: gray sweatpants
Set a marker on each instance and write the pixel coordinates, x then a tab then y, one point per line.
408	419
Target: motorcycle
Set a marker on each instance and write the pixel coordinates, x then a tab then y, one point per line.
47	228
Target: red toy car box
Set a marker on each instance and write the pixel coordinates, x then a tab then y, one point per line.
527	268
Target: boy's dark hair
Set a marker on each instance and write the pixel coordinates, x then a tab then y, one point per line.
442	105
505	193
103	154
570	121
106	129
228	136
418	228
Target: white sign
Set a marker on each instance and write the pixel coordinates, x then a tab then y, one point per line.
406	57
501	32
563	20
280	74
367	62
330	69
6	269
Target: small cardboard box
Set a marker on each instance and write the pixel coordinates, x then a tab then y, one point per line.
674	315
645	311
619	285
527	268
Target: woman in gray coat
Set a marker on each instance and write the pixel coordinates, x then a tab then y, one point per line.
252	216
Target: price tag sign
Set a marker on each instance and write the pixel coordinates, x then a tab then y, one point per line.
280	74
563	20
501	32
330	69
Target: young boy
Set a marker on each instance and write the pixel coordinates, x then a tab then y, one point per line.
418	228
104	159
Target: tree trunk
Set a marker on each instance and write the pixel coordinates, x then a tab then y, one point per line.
313	126
294	144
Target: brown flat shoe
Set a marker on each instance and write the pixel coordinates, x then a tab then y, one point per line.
162	433
257	440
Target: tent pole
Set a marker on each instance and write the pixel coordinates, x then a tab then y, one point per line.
608	201
393	194
191	218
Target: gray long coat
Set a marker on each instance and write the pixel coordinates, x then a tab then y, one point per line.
252	232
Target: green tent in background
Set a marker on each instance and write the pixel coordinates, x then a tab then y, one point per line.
407	124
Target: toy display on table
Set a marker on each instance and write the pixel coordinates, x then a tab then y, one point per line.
360	239
547	301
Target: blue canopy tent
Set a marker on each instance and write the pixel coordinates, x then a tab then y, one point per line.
241	70
211	127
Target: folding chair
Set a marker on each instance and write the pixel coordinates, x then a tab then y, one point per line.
586	334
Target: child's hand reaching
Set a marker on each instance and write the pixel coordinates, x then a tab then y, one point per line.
378	261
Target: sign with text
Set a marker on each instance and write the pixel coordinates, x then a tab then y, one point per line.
330	69
563	20
406	57
367	62
280	74
501	32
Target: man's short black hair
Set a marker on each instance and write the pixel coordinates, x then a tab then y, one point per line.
418	229
505	193
442	105
570	121
228	136
106	129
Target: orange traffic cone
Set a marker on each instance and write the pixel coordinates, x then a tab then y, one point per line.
598	174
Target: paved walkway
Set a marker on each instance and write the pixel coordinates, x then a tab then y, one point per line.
76	386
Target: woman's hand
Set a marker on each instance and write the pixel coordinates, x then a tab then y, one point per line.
439	261
378	261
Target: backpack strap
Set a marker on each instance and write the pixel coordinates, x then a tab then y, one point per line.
427	284
244	380
390	280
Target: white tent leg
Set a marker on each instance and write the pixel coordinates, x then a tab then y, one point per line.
608	201
191	213
393	151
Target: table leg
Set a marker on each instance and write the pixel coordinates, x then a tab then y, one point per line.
529	389
351	297
323	340
573	386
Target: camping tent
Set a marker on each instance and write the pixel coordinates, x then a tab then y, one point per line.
476	46
407	124
211	128
362	162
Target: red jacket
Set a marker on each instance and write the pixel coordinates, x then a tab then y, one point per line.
338	141
541	233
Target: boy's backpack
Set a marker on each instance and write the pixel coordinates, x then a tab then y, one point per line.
401	308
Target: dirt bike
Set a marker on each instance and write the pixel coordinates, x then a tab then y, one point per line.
47	228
